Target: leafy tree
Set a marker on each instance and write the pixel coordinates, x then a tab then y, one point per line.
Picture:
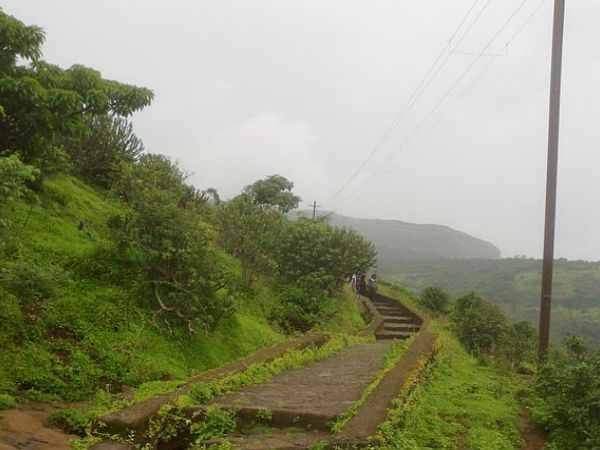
301	307
166	239
519	345
249	232
434	300
41	101
103	146
275	191
479	324
318	254
14	180
567	398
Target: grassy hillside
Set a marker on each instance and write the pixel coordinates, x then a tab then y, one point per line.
464	403
514	284
71	323
398	241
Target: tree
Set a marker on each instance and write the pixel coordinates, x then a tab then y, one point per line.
434	300
40	102
164	237
104	145
566	399
249	232
14	180
479	324
274	191
316	253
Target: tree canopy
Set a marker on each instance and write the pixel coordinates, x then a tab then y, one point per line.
40	102
275	191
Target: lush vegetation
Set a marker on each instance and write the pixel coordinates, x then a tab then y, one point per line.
514	285
464	404
566	399
563	393
115	272
119	280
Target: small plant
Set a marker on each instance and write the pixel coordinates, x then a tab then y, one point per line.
217	423
319	445
71	420
264	415
201	393
7	401
168	423
221	444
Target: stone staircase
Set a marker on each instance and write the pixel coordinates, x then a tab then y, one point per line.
398	321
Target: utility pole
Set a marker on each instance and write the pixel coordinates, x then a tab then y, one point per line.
553	126
315	206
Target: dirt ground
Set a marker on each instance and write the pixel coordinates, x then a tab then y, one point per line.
534	436
27	428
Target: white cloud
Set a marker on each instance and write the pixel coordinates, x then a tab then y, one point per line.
265	144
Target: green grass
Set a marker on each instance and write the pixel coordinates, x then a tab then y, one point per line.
85	326
464	405
342	313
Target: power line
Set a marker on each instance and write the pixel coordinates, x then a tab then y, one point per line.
418	91
454	85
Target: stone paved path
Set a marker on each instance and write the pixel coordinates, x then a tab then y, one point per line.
320	391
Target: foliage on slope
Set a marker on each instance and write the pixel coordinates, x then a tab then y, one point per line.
65	330
464	404
514	284
148	278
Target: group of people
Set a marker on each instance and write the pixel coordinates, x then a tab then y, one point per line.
359	283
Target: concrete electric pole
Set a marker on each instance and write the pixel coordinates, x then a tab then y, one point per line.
315	206
553	126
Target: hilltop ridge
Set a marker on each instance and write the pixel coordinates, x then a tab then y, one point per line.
397	240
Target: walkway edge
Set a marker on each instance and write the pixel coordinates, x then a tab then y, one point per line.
374	410
136	416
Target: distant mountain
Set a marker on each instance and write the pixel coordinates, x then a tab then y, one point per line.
401	241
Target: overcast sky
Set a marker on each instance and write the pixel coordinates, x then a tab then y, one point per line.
307	88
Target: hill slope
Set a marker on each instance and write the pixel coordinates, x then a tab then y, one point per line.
400	241
514	284
71	321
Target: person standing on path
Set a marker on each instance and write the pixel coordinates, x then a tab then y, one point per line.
372	286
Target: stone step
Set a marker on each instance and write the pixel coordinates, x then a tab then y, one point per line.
398	319
392	312
390	304
387	306
409	327
392	335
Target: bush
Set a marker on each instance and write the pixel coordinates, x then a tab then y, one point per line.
300	308
7	401
479	324
567	399
217	422
30	283
434	300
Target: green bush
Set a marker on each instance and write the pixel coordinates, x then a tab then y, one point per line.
479	324
216	423
434	300
300	308
566	399
7	401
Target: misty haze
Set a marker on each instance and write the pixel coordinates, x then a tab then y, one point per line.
273	224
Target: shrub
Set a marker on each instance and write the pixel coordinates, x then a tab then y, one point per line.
479	324
567	398
7	401
217	422
300	308
434	300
